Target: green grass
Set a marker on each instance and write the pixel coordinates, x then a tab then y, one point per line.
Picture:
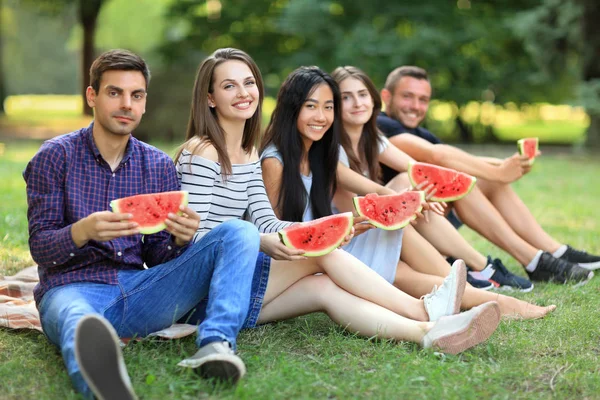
309	357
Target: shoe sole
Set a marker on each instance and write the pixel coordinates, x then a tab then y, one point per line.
221	370
590	266
98	355
481	327
581	280
462	282
223	367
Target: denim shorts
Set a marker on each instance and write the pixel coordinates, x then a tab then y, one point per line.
257	294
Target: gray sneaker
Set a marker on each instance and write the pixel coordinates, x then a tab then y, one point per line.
216	360
446	299
98	354
457	333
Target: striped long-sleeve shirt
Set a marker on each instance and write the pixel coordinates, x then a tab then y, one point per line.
242	194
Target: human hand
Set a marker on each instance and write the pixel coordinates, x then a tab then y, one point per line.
527	163
102	226
183	227
271	244
361	225
436	207
511	169
429	189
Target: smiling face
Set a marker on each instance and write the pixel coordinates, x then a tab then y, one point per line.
235	95
357	103
120	101
410	101
316	115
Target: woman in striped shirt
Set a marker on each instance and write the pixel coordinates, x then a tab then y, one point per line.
220	168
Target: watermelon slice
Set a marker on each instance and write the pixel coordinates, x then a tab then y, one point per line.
451	185
390	212
151	210
528	147
320	236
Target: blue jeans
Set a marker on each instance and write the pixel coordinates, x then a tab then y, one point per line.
220	266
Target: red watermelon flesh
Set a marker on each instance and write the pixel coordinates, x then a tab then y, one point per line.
528	147
320	236
451	185
390	212
151	210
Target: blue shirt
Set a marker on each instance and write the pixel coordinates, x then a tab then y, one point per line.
392	127
67	180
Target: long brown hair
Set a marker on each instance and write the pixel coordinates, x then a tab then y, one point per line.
203	125
370	139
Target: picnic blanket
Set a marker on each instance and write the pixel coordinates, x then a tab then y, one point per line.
18	309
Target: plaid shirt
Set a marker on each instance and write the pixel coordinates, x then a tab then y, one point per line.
67	180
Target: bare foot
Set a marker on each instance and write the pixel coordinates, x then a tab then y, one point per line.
523	310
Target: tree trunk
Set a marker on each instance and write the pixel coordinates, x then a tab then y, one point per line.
591	65
88	15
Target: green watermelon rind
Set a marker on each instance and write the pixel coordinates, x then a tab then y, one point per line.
114	205
349	218
395	227
442	199
521	146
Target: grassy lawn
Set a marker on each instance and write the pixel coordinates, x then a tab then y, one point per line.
309	357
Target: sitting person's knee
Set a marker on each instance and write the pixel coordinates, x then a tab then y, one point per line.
399	182
239	230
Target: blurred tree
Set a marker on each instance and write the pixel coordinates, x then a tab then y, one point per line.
88	11
2	90
591	68
563	38
474	50
36	57
197	28
466	46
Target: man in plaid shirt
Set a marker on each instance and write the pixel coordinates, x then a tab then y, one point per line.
100	279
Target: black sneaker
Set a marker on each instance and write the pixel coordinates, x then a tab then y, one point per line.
506	279
482	284
479	283
98	354
552	269
585	260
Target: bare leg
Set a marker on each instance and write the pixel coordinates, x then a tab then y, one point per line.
351	275
479	214
441	234
316	293
400	182
446	239
421	255
418	284
518	216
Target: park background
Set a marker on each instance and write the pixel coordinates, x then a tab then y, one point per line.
500	70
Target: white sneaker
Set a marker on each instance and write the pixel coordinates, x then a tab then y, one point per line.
445	300
216	360
98	354
457	333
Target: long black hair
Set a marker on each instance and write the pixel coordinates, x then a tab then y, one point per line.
282	131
